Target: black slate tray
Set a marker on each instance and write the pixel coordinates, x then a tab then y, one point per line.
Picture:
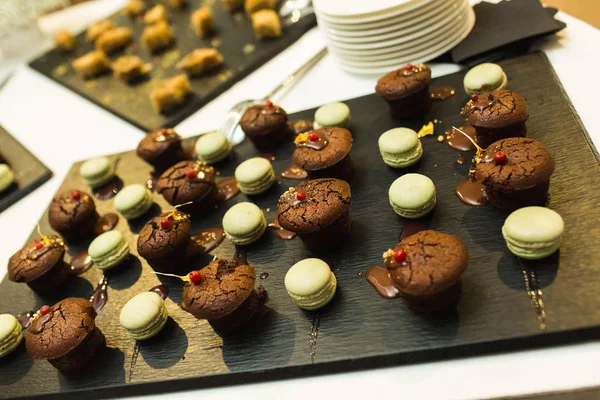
30	173
358	329
132	103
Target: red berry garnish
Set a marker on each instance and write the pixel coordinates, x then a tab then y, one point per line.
400	256
500	158
39	245
269	103
313	137
45	310
191	174
195	277
165	223
301	196
409	66
474	97
76	195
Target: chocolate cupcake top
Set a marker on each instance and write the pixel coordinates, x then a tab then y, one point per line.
313	205
35	259
322	148
186	181
156	143
164	234
262	119
224	287
70	209
521	164
56	333
403	82
495	109
433	261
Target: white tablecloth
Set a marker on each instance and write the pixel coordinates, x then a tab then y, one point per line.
59	127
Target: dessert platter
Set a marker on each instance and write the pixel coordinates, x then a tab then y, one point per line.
329	240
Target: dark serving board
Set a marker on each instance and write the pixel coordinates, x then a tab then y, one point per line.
132	102
358	329
30	173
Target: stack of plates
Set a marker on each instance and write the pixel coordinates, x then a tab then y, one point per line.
376	36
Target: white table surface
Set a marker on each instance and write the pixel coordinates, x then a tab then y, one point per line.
60	127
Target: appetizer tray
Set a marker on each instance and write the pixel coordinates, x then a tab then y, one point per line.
233	38
358	329
30	173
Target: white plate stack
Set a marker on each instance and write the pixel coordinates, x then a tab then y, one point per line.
377	36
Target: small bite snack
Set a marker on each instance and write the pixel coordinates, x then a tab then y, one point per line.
318	211
324	153
109	250
255	175
406	91
133	8
64	40
496	115
233	5
157	36
213	147
130	68
333	114
95	30
133	201
144	316
189	181
533	232
91	64
244	223
202	21
11	334
400	147
7	177
156	14
310	283
252	6
266	24
161	148
97	171
426	268
66	335
412	196
484	78
170	93
113	40
301	126
73	215
265	125
200	61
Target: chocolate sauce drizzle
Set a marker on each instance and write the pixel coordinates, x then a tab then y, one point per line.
291	197
264	275
37	325
99	296
458	141
411	71
106	223
412	226
319	144
47	244
151	182
281	234
483	101
241	255
209	239
294	172
381	281
161	290
165	134
109	190
25	319
80	263
472	193
204	173
442	93
227	188
460	160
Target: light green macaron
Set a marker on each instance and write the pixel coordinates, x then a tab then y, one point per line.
533	232
144	315
212	147
255	175
484	78
7	177
244	223
109	250
10	334
97	171
133	201
400	147
412	195
310	283
333	114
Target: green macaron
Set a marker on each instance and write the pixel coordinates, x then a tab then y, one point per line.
97	171
144	315
310	283
212	147
400	147
244	223
10	334
412	195
484	78
533	232
255	175
7	177
133	201
109	250
333	114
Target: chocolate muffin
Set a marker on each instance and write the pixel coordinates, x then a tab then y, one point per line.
426	269
496	115
225	296
317	211
66	335
73	215
40	264
324	153
189	181
265	125
516	173
406	91
165	241
161	149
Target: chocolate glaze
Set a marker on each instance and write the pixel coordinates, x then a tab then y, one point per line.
227	188
48	243
99	296
411	71
281	234
291	198
151	182
166	134
204	173
106	223
412	226
161	290
241	255
300	126
294	172
316	145
264	275
25	319
460	160
442	93
458	141
109	190
209	239
80	263
483	101
381	280
472	193
37	325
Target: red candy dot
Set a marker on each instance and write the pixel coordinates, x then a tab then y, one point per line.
474	97
269	103
400	256
45	310
39	245
165	223
500	158
76	195
313	137
409	66
191	174
301	196
195	277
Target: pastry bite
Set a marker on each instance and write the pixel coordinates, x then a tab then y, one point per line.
189	181
109	250
113	40
202	21
255	175
244	223
233	5
200	61
170	93
95	30
64	40
252	6
484	78
300	126
91	64
7	177
161	148
134	8
266	24
11	334
73	215
213	147
310	283
406	91
133	201
265	125
400	147
158	13
324	153
97	172
412	196
533	232
144	316
157	36
130	68
333	114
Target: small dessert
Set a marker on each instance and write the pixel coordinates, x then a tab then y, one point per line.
252	6
400	147
170	93
133	201
97	29
222	293
333	114
213	147
109	250
484	78
11	334
406	91
324	153
255	175
516	173
157	36
144	316
40	264
318	211
426	269
134	8
113	40
66	335
310	283
189	181
7	177
178	3
233	5
156	14
265	125
266	24
496	115
244	223
301	126
91	64
533	232
73	215
200	61
97	171
130	68
64	40
412	195
202	21
161	148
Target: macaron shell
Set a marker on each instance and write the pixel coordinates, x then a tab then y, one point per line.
97	171
144	315
133	201
334	114
307	277
484	77
244	223
10	334
109	249
319	299
7	177
212	147
533	232
255	175
412	195
403	160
